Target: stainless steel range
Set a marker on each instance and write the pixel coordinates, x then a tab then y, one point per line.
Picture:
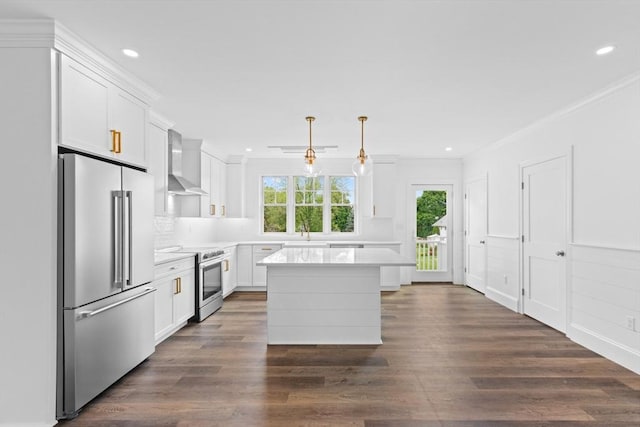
208	279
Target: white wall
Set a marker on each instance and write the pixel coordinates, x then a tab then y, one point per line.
28	230
604	254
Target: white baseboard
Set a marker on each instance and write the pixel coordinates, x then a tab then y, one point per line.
620	354
501	298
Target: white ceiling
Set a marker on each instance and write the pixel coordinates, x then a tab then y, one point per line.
429	74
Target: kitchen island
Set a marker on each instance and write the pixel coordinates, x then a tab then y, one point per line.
326	295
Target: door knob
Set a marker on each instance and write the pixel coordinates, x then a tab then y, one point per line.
560	253
482	242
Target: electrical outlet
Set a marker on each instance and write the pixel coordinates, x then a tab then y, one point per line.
631	323
506	279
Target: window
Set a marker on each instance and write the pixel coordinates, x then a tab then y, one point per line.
342	202
309	203
324	204
274	198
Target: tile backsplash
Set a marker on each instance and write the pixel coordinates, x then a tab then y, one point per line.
165	235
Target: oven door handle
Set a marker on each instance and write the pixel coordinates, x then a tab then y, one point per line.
209	263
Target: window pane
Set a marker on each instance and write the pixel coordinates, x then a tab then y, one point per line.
269	196
337	198
346	186
319	197
274	196
300	182
431	230
274	189
275	219
308	198
342	219
309	218
278	183
281	197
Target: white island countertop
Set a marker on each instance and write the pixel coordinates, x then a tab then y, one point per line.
381	257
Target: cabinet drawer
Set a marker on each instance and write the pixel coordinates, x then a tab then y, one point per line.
170	268
266	249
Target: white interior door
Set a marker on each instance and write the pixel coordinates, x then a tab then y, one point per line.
431	232
544	208
476	234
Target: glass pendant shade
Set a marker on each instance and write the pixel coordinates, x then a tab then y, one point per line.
311	165
361	166
312	170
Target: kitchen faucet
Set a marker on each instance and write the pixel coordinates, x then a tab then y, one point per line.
303	228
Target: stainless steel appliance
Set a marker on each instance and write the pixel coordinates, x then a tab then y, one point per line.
208	280
177	184
105	303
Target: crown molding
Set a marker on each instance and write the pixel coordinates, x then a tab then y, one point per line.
48	33
159	120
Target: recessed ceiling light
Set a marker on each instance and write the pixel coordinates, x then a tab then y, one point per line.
130	53
248	149
605	50
448	149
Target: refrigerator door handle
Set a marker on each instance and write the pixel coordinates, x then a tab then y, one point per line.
128	195
85	314
117	239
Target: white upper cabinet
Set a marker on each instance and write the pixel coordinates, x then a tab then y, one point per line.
128	116
84	110
98	117
158	138
384	190
214	181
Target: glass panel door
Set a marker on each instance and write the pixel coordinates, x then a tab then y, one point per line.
432	226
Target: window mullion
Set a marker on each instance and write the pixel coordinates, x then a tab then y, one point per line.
326	206
291	202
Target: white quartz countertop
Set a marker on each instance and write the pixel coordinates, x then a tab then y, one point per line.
336	256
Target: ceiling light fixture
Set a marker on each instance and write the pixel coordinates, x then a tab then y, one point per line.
360	166
605	50
448	149
248	149
130	53
311	166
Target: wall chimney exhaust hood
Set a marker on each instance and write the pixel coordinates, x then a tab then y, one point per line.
177	184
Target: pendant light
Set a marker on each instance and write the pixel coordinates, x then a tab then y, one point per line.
311	167
361	167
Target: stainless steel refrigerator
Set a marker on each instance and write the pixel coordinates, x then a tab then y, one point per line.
105	301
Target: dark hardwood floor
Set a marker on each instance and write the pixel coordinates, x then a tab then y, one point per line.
450	357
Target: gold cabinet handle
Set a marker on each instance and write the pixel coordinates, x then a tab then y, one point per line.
177	289
116	141
179	285
374	210
212	209
224	211
226	265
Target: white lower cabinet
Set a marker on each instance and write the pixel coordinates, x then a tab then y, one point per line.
229	272
175	296
244	271
260	273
